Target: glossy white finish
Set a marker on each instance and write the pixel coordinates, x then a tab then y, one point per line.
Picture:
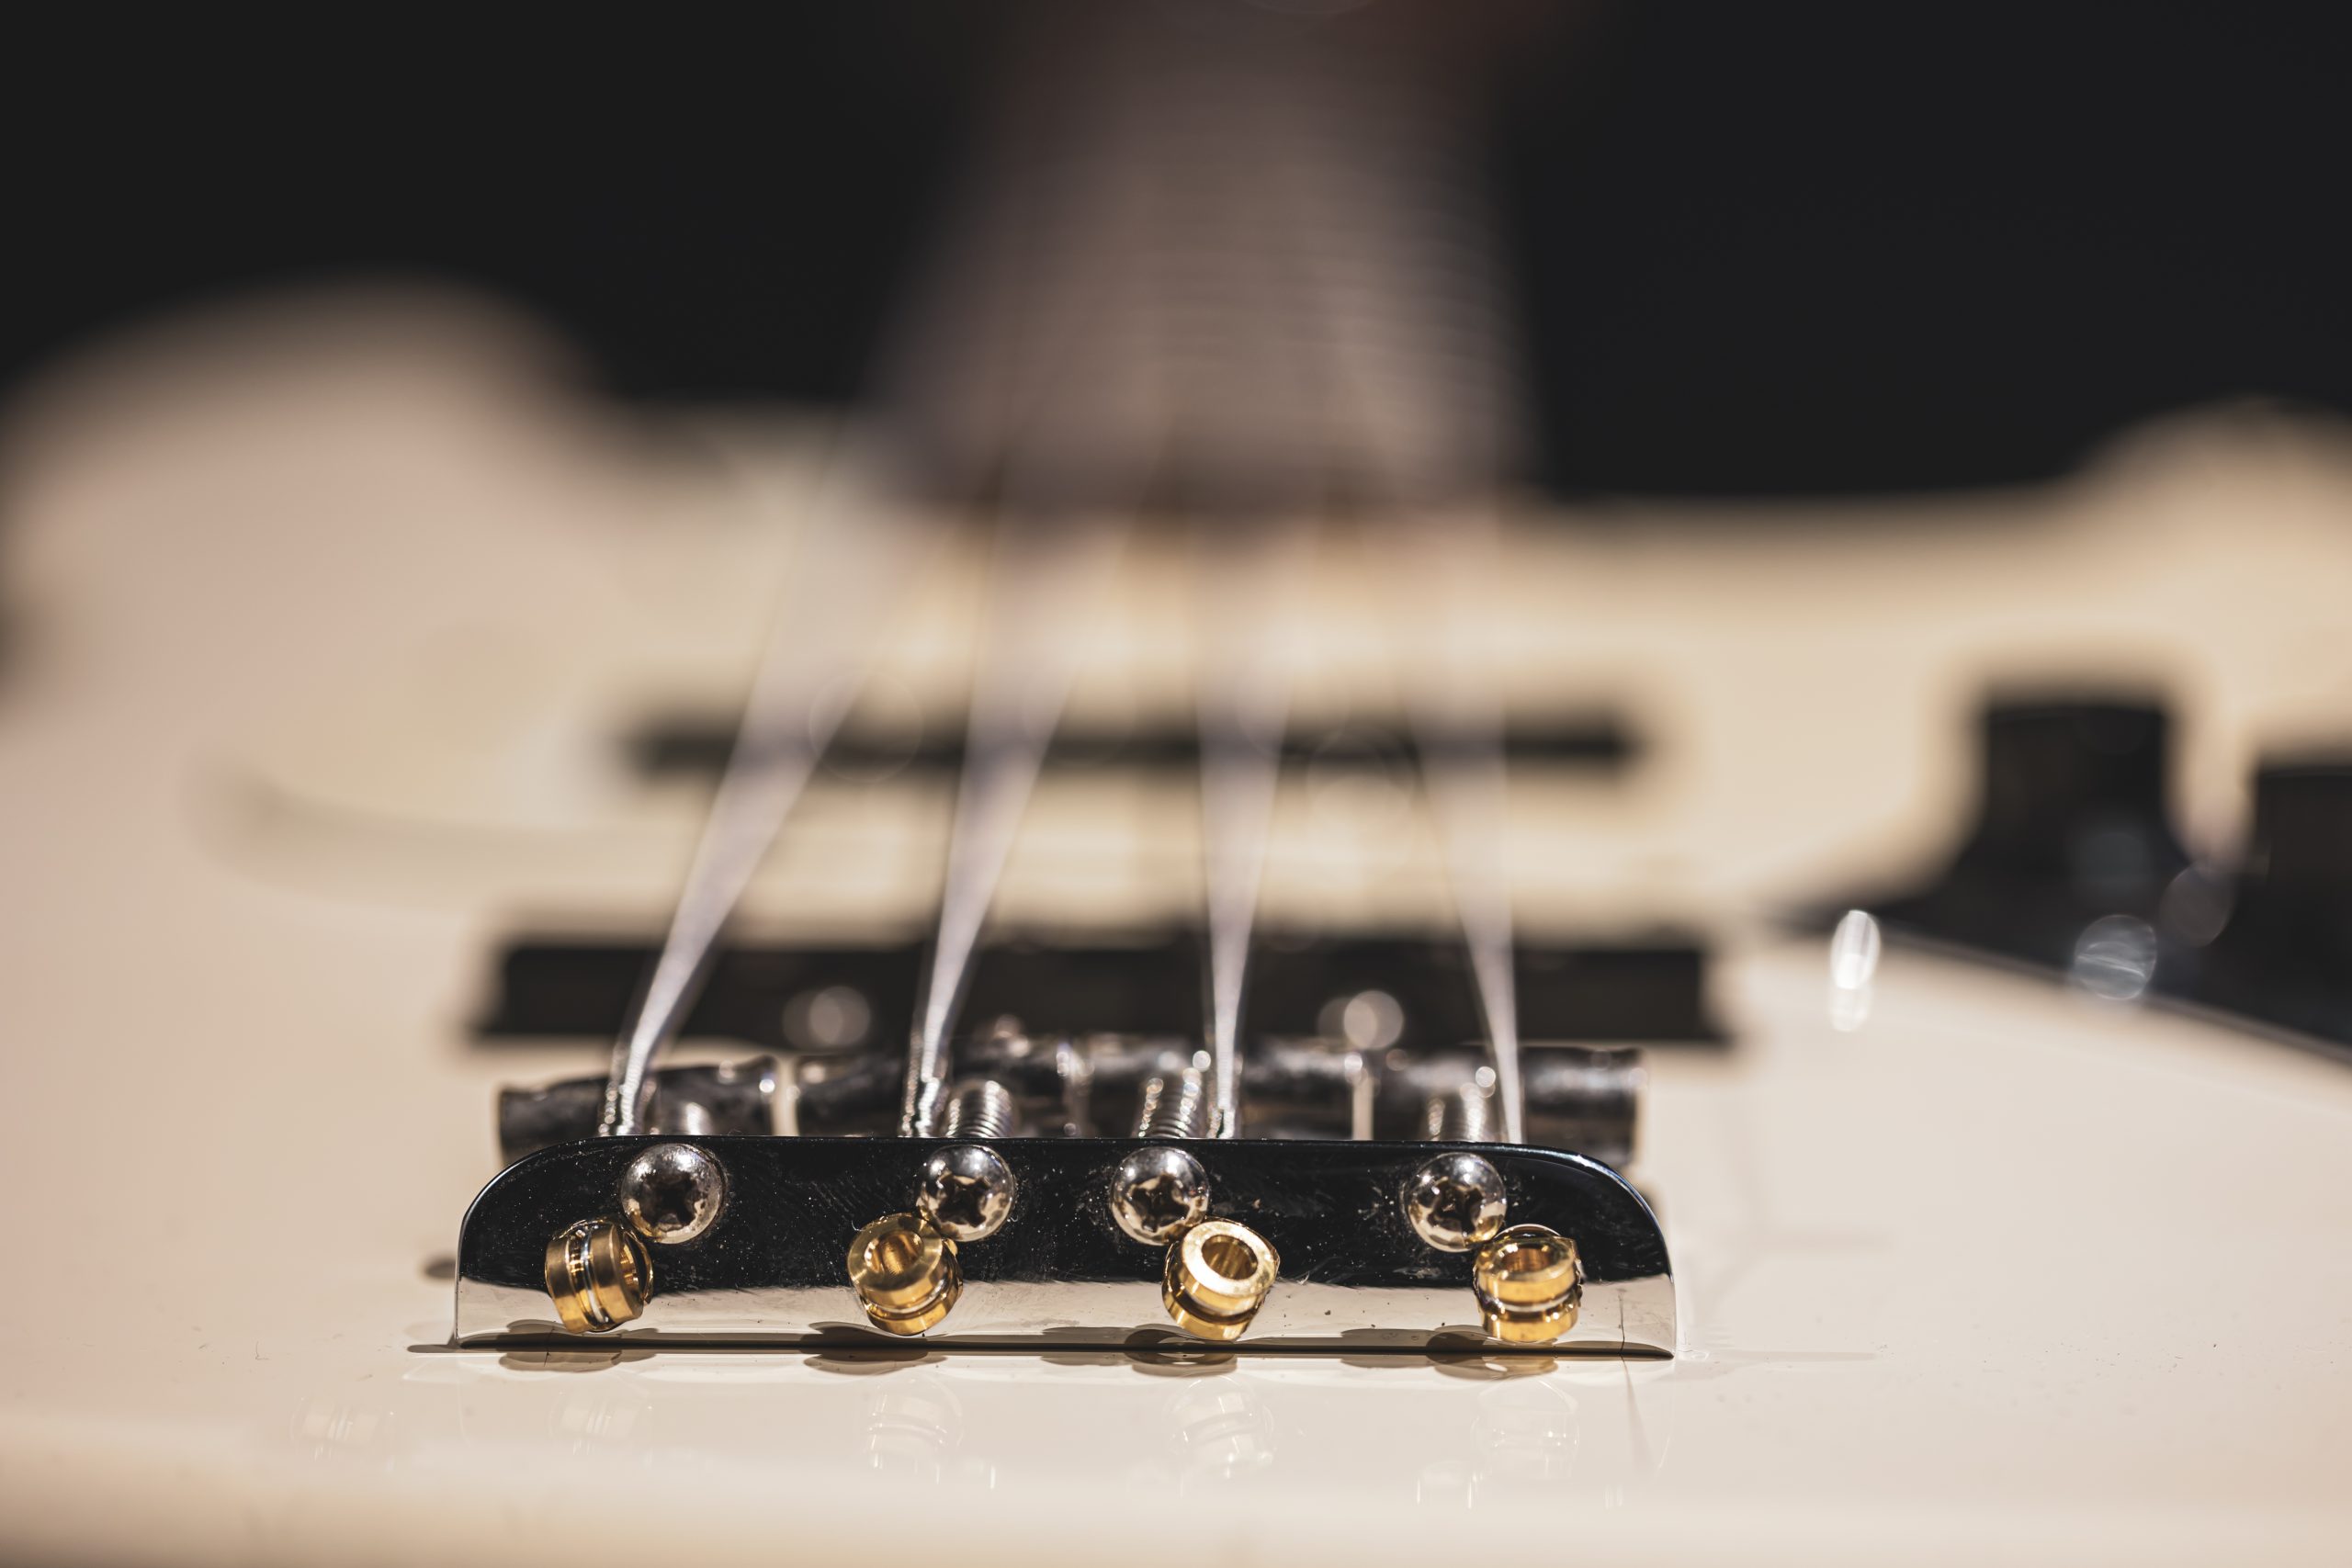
2000	1272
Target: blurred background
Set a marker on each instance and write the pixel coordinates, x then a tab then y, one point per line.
1786	250
1893	412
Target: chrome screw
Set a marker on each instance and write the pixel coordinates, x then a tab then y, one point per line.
672	1193
1455	1201
967	1191
1157	1192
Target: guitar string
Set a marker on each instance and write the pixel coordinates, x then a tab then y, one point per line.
1458	733
1005	751
1242	711
851	562
1443	562
1250	566
1046	578
1050	572
1441	579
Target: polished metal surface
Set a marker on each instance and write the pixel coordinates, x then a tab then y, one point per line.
1060	1272
1582	1098
1455	1201
1156	1191
701	1099
1310	1087
672	1193
1051	1079
967	1191
839	1092
1586	1098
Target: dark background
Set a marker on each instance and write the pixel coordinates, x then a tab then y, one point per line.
1762	248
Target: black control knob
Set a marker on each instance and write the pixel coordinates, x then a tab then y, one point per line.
2284	957
2071	865
2300	850
2074	795
2072	829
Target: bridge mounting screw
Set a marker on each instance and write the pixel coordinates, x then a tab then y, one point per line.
1455	1201
967	1191
1158	1192
672	1193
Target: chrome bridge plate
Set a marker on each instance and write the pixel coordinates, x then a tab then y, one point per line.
772	1269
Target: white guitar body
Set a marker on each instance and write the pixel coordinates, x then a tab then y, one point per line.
312	701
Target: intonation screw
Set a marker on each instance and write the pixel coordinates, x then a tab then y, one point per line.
1217	1271
979	1107
966	1190
597	1275
1160	1190
905	1273
1462	1115
1218	1274
1528	1280
1175	1105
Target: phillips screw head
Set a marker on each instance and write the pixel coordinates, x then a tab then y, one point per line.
1158	1192
672	1193
967	1191
1455	1201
